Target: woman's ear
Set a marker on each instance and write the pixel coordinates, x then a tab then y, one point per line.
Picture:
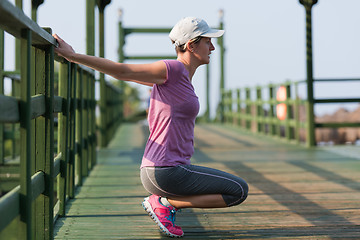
190	46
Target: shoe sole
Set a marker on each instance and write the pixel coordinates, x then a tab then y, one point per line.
147	207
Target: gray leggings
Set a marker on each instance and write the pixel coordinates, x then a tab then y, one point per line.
186	180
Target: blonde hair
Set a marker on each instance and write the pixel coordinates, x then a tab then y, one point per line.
182	48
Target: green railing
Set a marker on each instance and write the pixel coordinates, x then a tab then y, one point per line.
49	123
337	100
255	110
112	113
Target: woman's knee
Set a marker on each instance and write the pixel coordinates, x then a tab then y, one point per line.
245	188
239	196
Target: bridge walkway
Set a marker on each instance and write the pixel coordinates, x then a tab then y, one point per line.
295	192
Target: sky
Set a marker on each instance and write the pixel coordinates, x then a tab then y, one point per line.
264	40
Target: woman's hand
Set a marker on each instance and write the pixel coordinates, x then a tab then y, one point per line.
64	50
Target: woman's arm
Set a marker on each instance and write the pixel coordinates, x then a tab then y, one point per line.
144	83
146	74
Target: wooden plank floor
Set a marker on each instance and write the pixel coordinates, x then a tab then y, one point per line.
295	193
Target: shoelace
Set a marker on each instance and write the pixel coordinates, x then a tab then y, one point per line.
171	217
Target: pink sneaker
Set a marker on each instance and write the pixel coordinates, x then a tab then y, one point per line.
162	215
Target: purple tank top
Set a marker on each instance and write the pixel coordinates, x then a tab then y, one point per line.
172	113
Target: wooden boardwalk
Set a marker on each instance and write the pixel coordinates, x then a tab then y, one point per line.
295	193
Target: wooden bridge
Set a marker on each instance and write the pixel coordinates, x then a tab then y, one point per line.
67	173
295	192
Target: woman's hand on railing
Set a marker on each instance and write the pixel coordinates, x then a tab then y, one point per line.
64	49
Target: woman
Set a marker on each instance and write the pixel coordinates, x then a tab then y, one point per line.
166	170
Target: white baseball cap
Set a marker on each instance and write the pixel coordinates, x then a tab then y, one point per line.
191	27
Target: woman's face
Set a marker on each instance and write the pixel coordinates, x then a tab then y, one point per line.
203	49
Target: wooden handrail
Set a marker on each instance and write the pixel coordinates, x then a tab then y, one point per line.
242	116
32	109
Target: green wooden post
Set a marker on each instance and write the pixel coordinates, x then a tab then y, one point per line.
109	115
225	106
92	142
259	110
48	169
90	27
238	108
222	71
86	123
39	136
121	59
63	135
93	121
25	226
243	107
70	156
103	121
90	40
44	132
15	92
37	61
248	109
16	85
90	128
262	108
288	132
83	126
73	146
34	6
308	4
278	125
272	114
109	97
18	4
37	128
2	147
230	107
90	44
122	33
33	65
78	124
296	114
